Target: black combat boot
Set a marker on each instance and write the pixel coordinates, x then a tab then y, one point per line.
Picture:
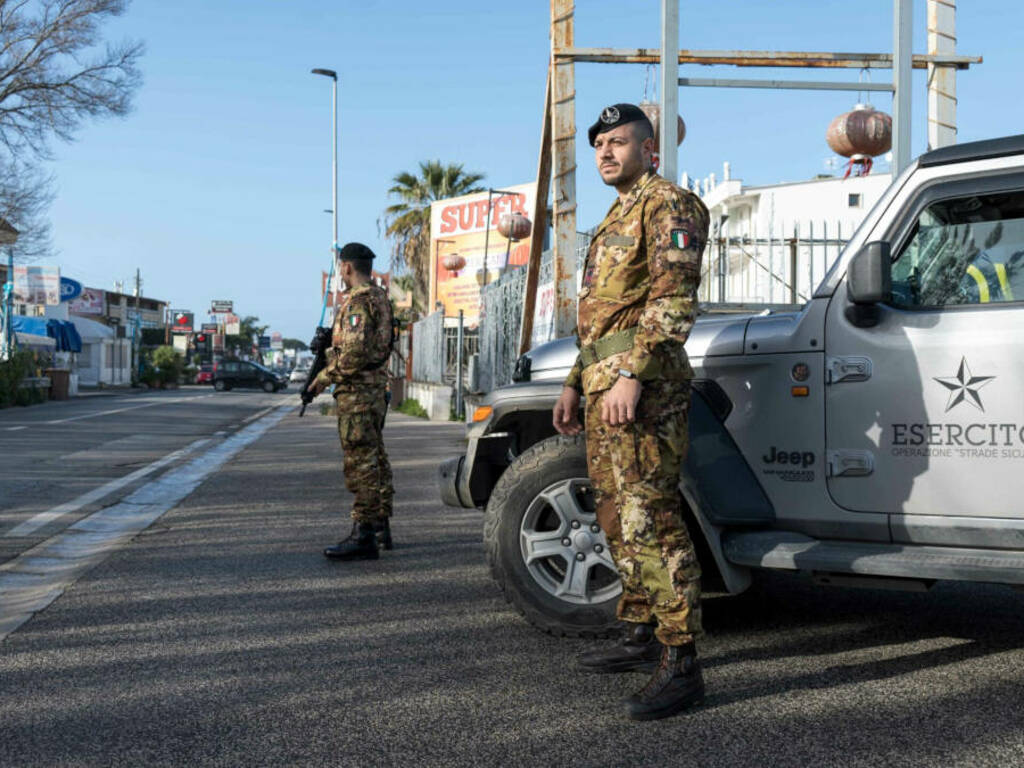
360	545
383	529
677	683
638	651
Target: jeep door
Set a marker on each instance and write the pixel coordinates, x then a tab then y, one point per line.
924	414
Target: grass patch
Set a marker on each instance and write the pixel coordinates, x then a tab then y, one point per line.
411	407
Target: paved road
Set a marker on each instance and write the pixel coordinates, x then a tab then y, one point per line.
220	636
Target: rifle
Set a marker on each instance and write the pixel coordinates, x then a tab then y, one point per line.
318	346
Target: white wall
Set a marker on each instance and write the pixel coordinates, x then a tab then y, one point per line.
817	210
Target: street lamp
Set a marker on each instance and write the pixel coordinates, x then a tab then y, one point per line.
334	175
8	236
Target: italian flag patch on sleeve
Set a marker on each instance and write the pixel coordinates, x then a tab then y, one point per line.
680	239
354	321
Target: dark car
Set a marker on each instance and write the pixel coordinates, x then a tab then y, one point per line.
228	374
204	375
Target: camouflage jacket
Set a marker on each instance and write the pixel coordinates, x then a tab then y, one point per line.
642	271
360	340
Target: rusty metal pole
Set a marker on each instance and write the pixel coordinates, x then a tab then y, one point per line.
563	103
902	42
941	79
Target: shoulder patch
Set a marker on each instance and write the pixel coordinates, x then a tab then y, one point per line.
354	320
682	238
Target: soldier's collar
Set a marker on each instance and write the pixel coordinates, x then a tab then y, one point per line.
636	191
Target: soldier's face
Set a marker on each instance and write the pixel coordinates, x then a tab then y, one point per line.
621	156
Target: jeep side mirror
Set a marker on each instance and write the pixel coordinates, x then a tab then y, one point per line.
869	279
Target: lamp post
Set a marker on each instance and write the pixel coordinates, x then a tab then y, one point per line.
487	232
334	177
8	236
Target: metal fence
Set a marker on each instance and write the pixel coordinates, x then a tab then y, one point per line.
773	268
428	340
470	346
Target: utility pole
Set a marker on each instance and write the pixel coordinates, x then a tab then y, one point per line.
563	203
136	353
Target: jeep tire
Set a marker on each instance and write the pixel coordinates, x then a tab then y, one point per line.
543	544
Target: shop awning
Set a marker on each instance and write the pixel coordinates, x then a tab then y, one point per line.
63	332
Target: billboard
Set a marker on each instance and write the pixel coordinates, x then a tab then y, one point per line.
232	325
276	340
181	321
461	228
37	285
90	302
221	305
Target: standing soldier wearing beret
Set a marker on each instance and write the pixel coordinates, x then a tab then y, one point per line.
357	367
637	304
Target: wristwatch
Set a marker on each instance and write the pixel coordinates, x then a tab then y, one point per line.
626	373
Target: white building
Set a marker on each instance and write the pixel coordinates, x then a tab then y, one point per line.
759	236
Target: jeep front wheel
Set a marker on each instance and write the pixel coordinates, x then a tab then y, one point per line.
544	545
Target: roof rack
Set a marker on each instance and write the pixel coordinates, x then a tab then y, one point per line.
974	150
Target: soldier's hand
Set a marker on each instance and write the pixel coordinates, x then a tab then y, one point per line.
565	416
619	405
315	388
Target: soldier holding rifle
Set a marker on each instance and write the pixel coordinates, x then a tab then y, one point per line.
356	364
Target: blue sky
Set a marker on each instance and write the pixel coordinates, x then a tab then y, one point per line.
215	185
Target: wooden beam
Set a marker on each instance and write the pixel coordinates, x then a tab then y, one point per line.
540	224
828	60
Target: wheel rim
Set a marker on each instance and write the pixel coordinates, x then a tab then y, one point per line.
564	549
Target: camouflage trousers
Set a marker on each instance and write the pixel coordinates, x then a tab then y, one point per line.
367	469
634	469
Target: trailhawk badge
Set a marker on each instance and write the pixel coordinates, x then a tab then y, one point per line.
963	387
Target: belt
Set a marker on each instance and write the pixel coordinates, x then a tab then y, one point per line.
606	346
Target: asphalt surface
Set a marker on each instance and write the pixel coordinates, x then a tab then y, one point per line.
220	636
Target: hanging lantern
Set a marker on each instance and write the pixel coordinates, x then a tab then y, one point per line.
860	134
453	263
653	112
514	226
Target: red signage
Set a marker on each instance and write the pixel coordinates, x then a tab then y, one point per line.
181	322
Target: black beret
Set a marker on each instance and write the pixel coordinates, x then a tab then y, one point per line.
355	252
614	116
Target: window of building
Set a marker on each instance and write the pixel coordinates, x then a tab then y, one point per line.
853	200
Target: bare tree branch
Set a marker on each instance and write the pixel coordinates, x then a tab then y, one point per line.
53	74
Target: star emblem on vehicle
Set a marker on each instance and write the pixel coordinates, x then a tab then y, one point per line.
964	387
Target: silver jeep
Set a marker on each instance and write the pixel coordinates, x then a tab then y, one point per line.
873	437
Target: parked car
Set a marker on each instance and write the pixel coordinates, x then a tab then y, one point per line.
873	437
204	375
229	374
300	371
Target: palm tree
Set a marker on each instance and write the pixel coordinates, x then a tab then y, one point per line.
407	222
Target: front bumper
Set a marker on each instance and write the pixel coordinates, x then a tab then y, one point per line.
453	483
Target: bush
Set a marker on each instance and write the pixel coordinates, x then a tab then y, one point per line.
13	371
411	407
166	367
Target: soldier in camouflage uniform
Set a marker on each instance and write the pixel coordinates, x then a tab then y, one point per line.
356	366
637	304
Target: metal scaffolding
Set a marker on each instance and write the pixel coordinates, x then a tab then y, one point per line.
558	134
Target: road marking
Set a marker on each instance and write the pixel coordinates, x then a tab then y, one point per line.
37	577
15	429
34	523
122	410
